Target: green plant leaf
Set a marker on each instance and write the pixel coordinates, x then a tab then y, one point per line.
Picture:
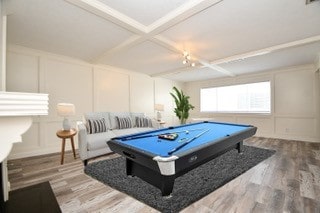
182	104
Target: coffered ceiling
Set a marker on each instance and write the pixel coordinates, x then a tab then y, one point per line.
224	37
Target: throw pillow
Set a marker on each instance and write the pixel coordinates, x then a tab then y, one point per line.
96	126
123	122
143	122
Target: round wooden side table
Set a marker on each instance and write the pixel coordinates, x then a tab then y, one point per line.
64	134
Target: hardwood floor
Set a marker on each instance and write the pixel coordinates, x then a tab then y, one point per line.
289	181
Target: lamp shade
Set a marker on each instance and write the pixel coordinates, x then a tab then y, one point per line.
65	109
159	107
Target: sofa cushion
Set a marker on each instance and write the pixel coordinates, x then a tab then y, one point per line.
113	122
99	140
136	114
99	115
96	125
124	122
143	122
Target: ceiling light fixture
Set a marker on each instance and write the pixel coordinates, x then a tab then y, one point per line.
187	59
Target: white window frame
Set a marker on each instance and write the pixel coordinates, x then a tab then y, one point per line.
239	111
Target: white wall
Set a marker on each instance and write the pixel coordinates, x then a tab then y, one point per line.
295	103
89	87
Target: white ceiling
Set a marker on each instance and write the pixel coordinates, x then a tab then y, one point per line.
224	37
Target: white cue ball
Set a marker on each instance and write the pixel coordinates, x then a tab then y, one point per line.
187	132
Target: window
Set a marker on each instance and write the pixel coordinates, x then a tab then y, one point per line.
243	98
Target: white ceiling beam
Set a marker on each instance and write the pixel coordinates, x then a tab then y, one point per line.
176	71
151	32
200	65
267	50
216	68
110	14
213	64
175	48
180	14
166	43
127	44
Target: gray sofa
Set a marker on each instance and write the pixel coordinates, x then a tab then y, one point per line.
95	144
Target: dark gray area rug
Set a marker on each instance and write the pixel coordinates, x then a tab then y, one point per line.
188	188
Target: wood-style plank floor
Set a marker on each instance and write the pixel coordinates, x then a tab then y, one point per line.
289	181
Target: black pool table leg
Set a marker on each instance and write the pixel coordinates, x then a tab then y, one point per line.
240	147
164	183
167	183
129	167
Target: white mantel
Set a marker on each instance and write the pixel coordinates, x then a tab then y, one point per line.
16	110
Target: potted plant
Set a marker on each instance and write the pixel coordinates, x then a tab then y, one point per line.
182	105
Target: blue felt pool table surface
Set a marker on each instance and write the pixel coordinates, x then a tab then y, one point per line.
161	147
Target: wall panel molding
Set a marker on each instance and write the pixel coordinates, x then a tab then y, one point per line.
295	103
71	80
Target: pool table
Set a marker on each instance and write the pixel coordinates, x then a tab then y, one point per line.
159	161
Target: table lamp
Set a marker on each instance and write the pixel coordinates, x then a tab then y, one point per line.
159	108
65	110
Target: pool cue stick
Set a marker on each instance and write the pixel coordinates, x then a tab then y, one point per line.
185	143
138	137
147	136
184	131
